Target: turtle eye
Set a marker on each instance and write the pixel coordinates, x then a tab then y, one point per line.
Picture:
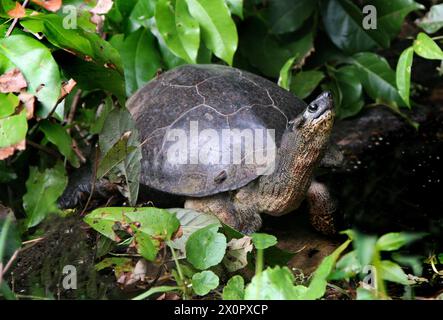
313	107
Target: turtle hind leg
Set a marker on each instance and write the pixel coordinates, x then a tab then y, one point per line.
321	208
222	206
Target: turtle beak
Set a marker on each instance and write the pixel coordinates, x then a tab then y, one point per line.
320	105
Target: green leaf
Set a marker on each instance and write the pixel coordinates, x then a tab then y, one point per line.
218	29
118	122
351	90
146	246
426	48
8	103
103	220
204	282
38	67
142	13
317	287
284	80
433	20
190	222
234	289
391	14
395	240
42	192
158	223
305	82
347	267
58	136
286	16
378	78
263	241
141	59
206	247
236	7
268	53
13	129
114	262
365	247
343	23
391	271
9	238
117	154
179	30
274	284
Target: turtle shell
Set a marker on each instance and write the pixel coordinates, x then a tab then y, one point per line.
210	100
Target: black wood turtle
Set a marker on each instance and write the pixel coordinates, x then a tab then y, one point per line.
233	144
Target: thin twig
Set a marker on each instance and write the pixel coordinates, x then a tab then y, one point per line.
9	264
15	21
93	179
42	148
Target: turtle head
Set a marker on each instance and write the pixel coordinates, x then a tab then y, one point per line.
309	132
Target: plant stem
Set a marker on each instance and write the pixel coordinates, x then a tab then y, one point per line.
259	262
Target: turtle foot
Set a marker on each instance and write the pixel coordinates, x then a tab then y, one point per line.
321	209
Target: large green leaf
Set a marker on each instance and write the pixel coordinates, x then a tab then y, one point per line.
206	247
378	78
403	74
38	67
141	59
13	129
218	29
269	54
304	82
343	23
351	90
284	79
179	30
42	192
263	241
391	14
433	20
425	47
287	15
391	271
57	135
87	45
118	123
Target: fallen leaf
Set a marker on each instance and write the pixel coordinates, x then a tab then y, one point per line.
18	11
237	253
9	151
67	88
50	5
12	81
28	101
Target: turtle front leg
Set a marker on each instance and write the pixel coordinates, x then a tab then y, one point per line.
321	208
243	219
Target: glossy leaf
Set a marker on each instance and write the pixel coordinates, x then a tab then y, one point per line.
351	91
38	67
43	188
206	247
179	30
218	29
395	240
426	48
378	78
141	59
203	282
286	16
8	103
304	82
236	7
263	241
284	80
403	74
57	135
343	23
391	14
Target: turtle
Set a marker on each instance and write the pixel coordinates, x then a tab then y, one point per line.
233	144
